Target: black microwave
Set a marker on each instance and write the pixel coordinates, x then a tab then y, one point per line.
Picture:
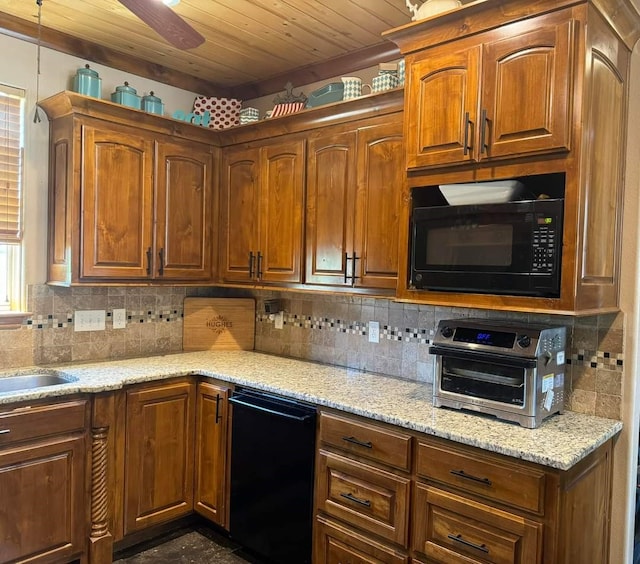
512	248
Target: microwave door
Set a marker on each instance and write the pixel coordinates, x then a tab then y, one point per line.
489	246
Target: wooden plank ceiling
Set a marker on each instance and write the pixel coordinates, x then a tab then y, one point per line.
251	48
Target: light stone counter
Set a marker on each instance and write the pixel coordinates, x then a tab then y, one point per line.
560	442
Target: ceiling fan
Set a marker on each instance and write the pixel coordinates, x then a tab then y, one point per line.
162	19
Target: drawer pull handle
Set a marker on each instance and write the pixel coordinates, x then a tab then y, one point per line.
355	499
458	538
355	441
463	474
5	431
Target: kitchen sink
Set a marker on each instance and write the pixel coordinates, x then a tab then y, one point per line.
33	380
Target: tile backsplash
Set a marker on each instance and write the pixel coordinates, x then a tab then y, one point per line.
324	328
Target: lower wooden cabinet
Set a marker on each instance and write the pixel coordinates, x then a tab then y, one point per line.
159	453
466	506
362	495
43	482
336	544
448	528
211	452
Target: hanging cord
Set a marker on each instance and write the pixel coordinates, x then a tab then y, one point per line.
36	117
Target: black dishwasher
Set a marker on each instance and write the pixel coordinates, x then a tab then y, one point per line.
272	459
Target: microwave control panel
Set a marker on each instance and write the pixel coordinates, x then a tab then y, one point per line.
544	249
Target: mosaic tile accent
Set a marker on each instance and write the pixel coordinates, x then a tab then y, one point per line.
146	316
597	359
353	327
49	322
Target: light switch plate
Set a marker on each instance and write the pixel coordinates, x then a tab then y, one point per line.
374	332
279	320
119	318
89	320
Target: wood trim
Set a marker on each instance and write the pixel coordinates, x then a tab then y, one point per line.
481	16
12	319
356	60
52	39
343	112
64	43
68	103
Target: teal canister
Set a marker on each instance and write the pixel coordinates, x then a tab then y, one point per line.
87	82
152	104
127	96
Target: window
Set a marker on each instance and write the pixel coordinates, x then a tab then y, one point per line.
12	102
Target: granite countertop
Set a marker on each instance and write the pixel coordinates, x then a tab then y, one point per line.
560	442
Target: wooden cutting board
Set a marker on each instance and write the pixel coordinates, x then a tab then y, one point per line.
219	324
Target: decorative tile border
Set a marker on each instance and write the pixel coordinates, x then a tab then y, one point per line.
580	357
49	322
406	335
133	316
597	359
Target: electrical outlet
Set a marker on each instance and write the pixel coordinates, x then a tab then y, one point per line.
89	320
279	320
119	318
374	332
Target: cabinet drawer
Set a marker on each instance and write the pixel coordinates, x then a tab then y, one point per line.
31	422
336	544
366	497
451	529
510	484
366	440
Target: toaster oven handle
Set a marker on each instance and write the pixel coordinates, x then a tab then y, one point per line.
495	358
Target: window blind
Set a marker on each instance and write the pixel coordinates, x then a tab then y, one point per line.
11	155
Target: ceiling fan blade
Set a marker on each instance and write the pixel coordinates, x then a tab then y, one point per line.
166	22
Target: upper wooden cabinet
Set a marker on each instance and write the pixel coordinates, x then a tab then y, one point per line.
354	188
507	90
488	98
261	207
131	196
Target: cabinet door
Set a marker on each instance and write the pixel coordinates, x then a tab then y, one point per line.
280	213
331	165
211	452
526	92
44	505
159	462
442	100
239	193
379	196
117	191
184	206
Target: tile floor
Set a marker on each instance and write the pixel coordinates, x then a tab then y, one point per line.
193	545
